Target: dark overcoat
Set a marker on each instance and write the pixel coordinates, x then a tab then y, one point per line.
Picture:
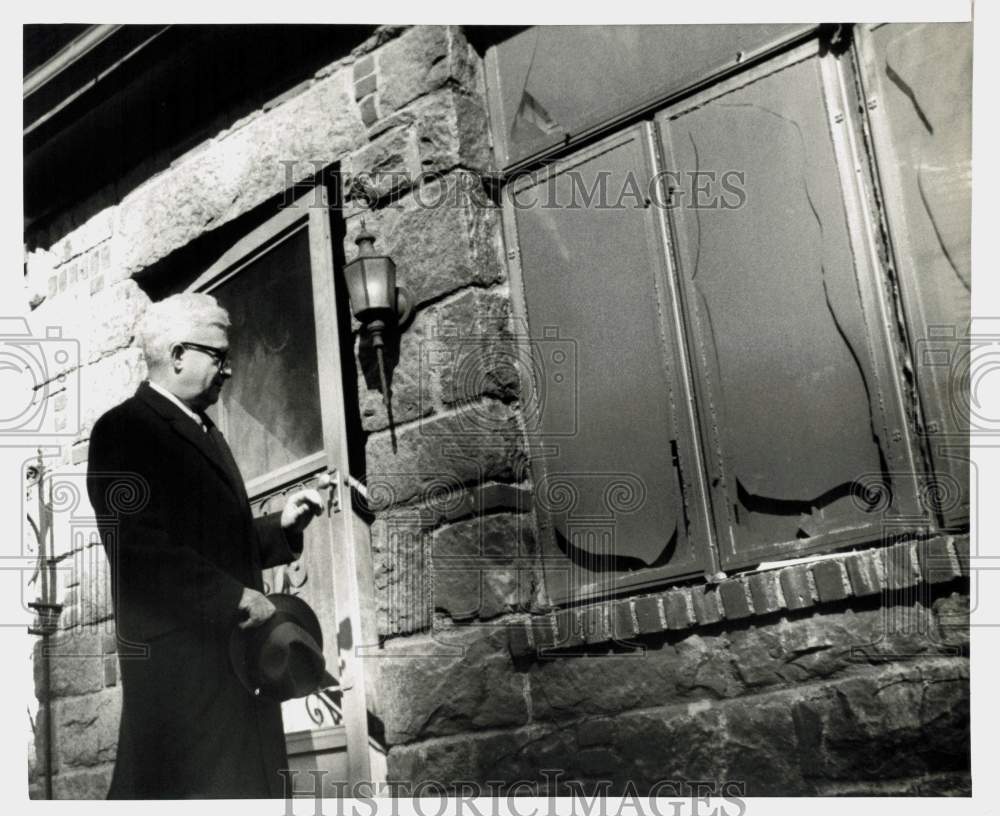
181	548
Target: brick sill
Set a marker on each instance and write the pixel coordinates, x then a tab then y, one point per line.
819	580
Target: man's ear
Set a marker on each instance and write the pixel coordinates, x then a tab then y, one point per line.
177	356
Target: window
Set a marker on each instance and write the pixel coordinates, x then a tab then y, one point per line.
716	265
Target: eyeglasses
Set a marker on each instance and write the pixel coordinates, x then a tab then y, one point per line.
221	356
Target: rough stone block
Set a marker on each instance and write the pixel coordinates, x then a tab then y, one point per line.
500	537
649	614
831	581
455	351
504	755
900	567
806	649
409	389
897	722
112	318
88	727
442	236
796	587
648	743
623	626
678	613
479	567
237	171
595	622
77	239
107	382
422	59
453	130
87	784
597	762
735	599
95	601
765	592
595	732
759	747
440	693
706	603
952	616
482	593
864	570
604	684
471	352
74	664
401	567
569	629
543	632
388	164
937	561
479	443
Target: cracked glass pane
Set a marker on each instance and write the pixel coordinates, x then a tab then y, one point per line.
557	81
780	333
923	74
610	483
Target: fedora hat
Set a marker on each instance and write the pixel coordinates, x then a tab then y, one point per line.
283	657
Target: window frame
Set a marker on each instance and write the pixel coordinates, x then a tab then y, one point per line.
906	454
694	490
946	450
897	431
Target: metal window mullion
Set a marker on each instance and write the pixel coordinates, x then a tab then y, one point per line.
878	313
697	478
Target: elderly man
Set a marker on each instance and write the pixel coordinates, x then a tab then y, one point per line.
186	570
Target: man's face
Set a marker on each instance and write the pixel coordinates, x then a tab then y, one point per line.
201	377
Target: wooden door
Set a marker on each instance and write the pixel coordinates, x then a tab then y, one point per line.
283	416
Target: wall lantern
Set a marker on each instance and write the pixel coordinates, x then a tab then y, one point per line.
378	304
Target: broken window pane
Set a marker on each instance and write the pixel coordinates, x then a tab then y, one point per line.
609	483
557	81
922	75
780	337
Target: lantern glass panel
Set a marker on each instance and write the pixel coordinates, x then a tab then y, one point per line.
378	273
355	274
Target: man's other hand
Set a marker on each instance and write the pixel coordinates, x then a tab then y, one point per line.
258	608
300	509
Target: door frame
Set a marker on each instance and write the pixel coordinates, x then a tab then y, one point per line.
347	534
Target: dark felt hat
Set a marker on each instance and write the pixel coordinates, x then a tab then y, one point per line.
283	657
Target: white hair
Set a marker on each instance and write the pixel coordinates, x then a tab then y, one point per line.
173	320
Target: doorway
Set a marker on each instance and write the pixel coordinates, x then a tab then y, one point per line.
283	414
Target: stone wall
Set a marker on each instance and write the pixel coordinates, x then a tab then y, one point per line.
864	694
756	680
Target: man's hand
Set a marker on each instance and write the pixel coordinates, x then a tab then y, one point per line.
300	509
257	607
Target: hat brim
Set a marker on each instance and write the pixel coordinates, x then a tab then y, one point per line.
244	642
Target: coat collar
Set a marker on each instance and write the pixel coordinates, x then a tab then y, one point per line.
188	429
